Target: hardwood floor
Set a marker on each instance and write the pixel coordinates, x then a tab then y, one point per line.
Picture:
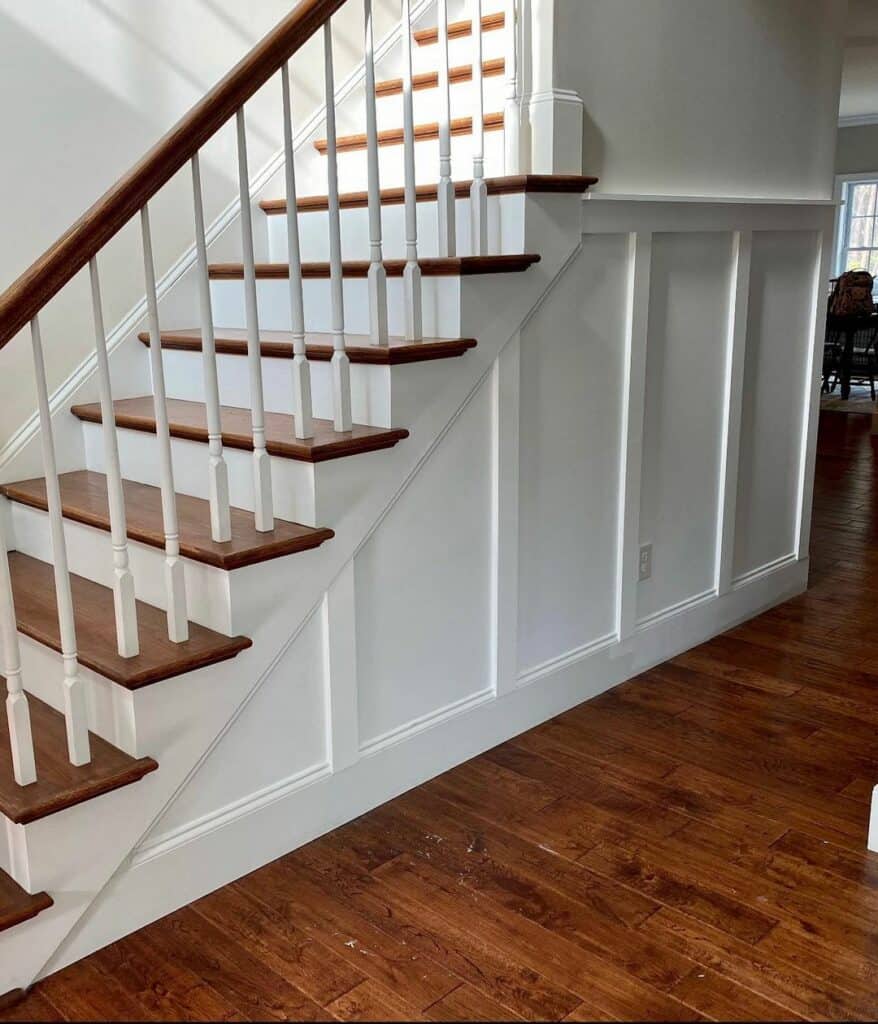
688	846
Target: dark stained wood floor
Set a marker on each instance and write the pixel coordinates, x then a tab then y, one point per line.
690	845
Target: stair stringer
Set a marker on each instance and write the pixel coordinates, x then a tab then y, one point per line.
180	720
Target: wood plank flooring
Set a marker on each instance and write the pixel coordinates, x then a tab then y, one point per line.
688	846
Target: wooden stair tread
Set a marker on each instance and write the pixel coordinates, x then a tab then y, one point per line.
279	345
16	905
438	266
430	79
34	592
574	184
493	122
59	784
84	499
456	29
188	420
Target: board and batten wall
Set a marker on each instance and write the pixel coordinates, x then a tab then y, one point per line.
663	392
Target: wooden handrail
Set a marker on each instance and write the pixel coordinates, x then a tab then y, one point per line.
48	275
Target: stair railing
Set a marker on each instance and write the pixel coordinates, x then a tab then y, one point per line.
81	246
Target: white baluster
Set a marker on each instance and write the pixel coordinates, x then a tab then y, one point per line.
123	579
262	498
341	368
75	706
414	330
218	471
21	742
175	581
478	189
511	109
447	226
377	273
304	426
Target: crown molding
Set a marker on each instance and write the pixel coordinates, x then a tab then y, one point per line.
854	120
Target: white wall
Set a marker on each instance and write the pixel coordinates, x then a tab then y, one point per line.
89	86
718	98
857	151
859	89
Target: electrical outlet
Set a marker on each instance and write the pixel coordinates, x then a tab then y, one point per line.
645	562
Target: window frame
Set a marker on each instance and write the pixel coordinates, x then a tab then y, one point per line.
844	185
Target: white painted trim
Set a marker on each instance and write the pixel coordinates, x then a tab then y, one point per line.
765	570
428	721
857	120
234	811
136	317
340	670
663	197
552	665
505	512
739	303
811	388
633	402
676	609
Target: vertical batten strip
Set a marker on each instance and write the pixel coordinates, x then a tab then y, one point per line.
512	103
21	743
633	402
218	471
414	330
478	189
377	273
304	426
739	302
263	503
447	226
75	705
123	580
341	368
175	580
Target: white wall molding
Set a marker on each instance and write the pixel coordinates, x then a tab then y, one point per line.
739	299
553	665
340	670
408	731
633	405
856	120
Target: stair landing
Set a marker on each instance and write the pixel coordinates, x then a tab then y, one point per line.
59	784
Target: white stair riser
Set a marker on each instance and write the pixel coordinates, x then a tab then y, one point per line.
314	232
390	161
90	555
440	302
313	494
427	103
370	385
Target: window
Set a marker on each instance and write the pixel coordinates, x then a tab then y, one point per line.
858	236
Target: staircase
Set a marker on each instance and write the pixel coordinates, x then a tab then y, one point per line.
175	539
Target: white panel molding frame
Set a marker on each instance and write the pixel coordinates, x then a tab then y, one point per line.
340	670
633	405
742	248
507	425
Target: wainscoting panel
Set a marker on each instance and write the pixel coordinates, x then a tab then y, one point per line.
683	420
288	714
423	583
570	437
779	336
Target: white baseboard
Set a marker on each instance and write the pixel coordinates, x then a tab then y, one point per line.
174	869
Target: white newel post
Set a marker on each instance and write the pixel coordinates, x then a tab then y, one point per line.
512	162
341	367
446	197
478	189
123	579
377	273
175	580
304	426
75	704
218	472
414	330
17	711
263	502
